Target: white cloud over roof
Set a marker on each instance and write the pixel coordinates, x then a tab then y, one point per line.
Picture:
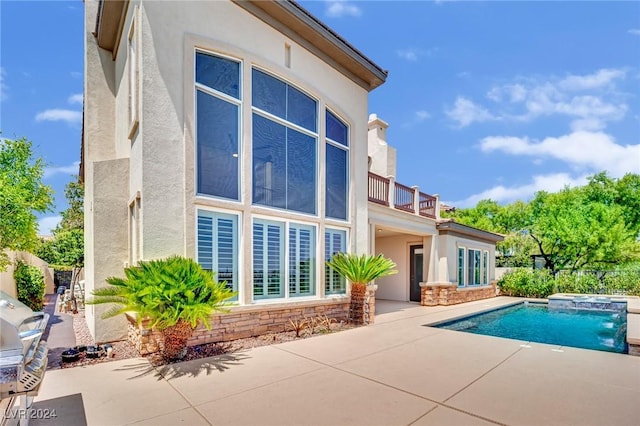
340	8
56	114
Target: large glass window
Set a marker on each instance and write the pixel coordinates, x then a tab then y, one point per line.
218	126
461	266
485	267
268	259
473	267
284	145
301	260
218	245
271	256
334	241
337	172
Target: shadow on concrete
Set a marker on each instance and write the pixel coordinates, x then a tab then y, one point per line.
193	368
65	410
59	332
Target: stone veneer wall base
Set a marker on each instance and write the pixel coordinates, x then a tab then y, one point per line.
434	294
243	322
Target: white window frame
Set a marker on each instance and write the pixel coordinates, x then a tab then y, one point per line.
133	47
239	261
462	282
135	243
346	248
485	267
224	97
286	223
347	148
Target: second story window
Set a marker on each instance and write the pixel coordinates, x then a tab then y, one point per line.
284	145
218	106
337	168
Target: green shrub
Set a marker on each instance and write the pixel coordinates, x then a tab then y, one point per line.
578	283
30	285
522	282
625	281
165	291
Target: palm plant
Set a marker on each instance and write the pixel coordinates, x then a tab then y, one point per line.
360	270
175	294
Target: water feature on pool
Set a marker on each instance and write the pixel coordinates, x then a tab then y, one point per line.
535	322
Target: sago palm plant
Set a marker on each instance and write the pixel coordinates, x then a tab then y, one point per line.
360	270
175	294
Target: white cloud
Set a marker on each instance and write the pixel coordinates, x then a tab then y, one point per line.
634	31
71	169
600	78
340	8
591	101
3	86
590	151
412	54
76	98
422	115
408	54
503	194
466	112
71	117
48	224
463	74
514	92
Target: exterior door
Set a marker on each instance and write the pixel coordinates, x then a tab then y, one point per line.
415	275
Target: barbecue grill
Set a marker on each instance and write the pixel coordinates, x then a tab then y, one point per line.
23	356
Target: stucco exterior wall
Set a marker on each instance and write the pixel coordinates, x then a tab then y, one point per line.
168	133
396	287
449	254
8	283
156	162
109	216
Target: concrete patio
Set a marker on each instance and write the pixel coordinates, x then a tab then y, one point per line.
396	372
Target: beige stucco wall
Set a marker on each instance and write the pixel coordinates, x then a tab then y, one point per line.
8	283
382	156
107	181
449	244
157	161
396	287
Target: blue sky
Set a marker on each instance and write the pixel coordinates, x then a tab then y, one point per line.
484	99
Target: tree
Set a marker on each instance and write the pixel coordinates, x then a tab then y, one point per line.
73	217
175	294
21	194
591	227
574	233
360	270
66	248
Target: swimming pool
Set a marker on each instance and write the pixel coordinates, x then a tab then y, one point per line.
535	322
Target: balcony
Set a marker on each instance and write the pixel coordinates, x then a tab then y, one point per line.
409	199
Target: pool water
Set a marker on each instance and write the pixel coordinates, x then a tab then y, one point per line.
535	322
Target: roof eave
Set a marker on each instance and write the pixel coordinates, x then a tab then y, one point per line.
296	22
450	225
109	23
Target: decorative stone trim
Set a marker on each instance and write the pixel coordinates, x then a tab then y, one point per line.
244	321
362	309
433	294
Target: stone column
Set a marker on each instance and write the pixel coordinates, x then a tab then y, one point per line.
362	308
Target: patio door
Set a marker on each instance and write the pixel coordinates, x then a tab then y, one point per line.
415	274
